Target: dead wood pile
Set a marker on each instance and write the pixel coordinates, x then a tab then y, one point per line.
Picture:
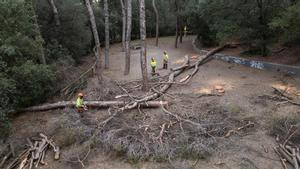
282	98
287	148
33	155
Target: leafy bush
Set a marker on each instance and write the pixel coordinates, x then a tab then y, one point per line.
74	31
289	23
7	101
58	55
34	82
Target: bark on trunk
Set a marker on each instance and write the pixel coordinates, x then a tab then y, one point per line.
55	12
106	14
143	56
177	24
181	33
157	22
177	27
96	39
90	104
128	37
123	24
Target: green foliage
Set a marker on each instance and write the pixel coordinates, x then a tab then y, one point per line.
18	33
57	55
74	33
7	102
247	21
23	81
34	82
289	23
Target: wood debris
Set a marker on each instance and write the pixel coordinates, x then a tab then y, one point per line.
288	151
229	133
34	153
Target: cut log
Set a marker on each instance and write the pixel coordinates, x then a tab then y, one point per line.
93	104
296	165
5	159
286	156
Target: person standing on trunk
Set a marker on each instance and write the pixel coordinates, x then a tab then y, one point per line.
165	60
153	66
79	103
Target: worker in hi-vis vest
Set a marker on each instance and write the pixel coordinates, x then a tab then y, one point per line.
79	103
165	60
153	66
185	31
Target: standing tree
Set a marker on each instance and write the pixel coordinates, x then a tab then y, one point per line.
106	14
123	24
55	12
181	31
96	39
177	24
157	21
128	36
143	45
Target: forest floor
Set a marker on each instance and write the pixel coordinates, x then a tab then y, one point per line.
251	148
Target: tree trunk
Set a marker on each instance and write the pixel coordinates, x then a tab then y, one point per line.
262	21
157	22
90	104
181	31
106	14
128	37
177	27
143	56
123	24
55	12
177	23
96	39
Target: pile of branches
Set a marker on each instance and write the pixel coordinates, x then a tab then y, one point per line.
287	132
157	136
33	155
287	150
183	130
281	97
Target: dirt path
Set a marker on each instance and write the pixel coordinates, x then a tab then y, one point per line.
117	57
242	87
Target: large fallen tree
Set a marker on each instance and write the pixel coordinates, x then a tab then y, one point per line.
146	101
91	104
175	72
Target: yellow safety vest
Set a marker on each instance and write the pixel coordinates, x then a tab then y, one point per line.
153	63
166	57
79	103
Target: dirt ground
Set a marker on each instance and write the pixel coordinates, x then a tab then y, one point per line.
252	149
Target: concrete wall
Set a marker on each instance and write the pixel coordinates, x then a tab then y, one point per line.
274	67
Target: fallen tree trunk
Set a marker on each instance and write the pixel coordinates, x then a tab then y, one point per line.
175	72
93	104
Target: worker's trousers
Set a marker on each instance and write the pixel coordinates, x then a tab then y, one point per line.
165	66
153	70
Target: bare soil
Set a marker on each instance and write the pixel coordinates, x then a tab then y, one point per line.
249	149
